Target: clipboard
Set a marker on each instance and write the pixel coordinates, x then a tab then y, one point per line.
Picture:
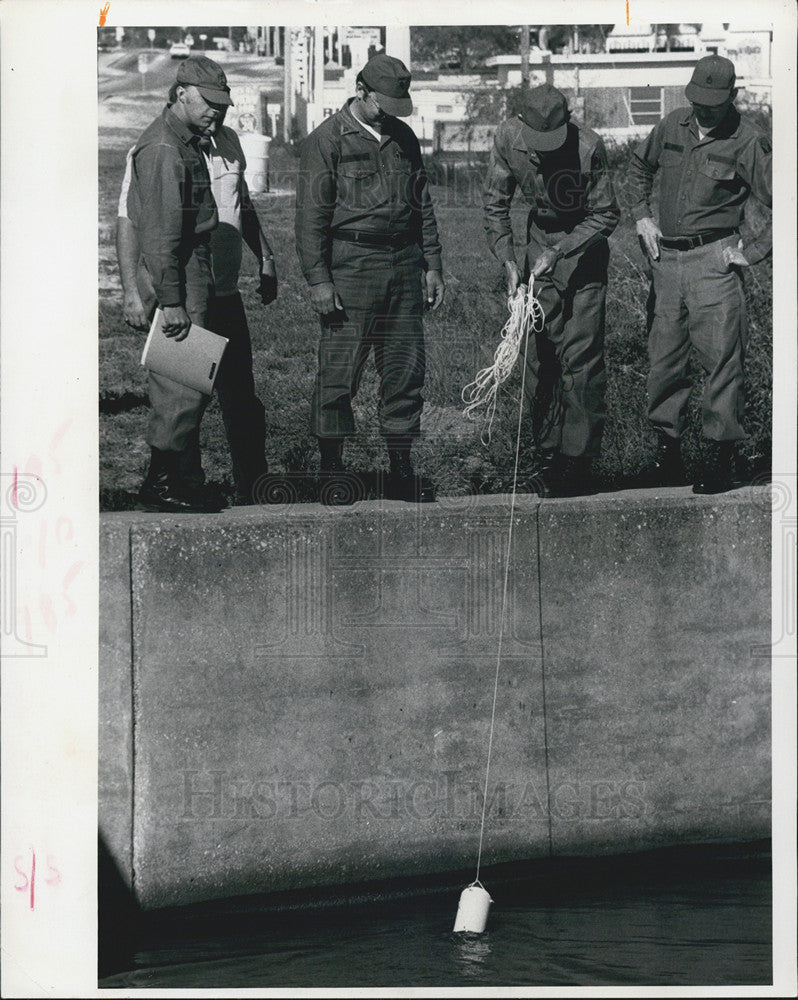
193	362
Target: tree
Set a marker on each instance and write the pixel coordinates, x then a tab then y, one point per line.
558	37
468	46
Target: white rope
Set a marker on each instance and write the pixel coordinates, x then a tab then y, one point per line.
526	316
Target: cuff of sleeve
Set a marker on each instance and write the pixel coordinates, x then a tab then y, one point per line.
641	211
318	276
168	296
503	249
433	262
755	253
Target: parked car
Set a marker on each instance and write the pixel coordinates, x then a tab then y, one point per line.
179	50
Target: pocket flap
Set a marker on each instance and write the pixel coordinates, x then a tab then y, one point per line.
719	170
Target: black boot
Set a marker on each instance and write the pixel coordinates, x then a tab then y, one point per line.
164	490
567	476
530	476
665	469
403	483
716	472
337	487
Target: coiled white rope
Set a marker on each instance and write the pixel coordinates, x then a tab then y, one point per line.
526	316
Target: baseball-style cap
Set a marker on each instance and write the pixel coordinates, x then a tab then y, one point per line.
545	114
389	78
207	76
712	81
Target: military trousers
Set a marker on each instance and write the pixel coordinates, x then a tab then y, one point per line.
699	303
175	409
566	377
383	305
242	412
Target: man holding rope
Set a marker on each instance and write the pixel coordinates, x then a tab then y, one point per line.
561	169
711	159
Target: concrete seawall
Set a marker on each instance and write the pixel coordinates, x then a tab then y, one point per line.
296	696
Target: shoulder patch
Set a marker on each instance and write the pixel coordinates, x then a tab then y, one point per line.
765	144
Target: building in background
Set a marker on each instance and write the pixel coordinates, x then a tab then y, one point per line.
622	91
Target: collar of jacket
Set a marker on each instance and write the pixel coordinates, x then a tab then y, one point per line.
180	129
726	129
350	124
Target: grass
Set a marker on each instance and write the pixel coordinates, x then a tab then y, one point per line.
460	337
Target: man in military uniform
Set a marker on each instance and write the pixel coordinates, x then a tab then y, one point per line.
711	159
561	169
367	240
171	208
242	411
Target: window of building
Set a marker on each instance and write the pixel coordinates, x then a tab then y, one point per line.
645	105
444	109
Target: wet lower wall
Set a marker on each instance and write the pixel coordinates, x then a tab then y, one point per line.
299	695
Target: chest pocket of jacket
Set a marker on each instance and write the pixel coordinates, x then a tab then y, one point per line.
670	160
358	184
717	179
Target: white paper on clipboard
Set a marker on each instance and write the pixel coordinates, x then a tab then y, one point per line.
193	361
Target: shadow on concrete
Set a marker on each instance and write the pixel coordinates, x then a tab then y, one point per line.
118	917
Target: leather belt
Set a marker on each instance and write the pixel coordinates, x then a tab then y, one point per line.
374	239
700	240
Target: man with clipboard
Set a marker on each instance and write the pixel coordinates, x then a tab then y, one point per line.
175	476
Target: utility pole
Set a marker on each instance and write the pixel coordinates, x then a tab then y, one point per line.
318	69
287	87
524	57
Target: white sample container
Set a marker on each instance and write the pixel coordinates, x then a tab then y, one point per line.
256	150
472	910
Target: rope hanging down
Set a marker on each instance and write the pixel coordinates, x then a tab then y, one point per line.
526	316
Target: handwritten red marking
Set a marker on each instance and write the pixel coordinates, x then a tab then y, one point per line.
64	524
48	612
103	11
26	618
17	863
55	877
28	883
627	13
73	571
42	545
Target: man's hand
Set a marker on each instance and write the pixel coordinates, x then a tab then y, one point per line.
175	322
435	288
545	262
267	288
734	257
135	313
325	299
512	277
650	233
